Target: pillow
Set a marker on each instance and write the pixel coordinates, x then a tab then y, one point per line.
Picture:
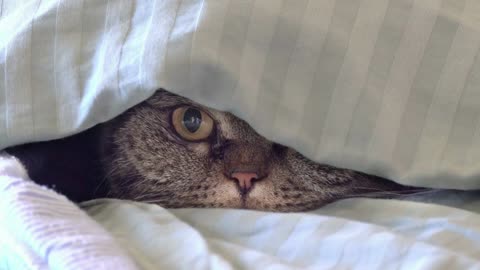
384	87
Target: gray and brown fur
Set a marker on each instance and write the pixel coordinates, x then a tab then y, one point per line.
139	156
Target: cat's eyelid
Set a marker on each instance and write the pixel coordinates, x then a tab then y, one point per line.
197	107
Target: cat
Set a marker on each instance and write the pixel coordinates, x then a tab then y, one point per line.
176	153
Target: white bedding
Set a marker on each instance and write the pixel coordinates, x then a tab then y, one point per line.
386	87
354	234
43	230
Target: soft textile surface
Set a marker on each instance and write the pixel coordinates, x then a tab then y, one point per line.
42	230
356	234
387	87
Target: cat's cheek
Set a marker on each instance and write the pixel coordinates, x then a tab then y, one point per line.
262	195
227	195
221	192
224	122
200	149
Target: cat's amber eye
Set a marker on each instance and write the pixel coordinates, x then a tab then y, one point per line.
192	124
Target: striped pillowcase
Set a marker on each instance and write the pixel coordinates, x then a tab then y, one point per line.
386	87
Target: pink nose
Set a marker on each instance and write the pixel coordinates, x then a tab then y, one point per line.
245	179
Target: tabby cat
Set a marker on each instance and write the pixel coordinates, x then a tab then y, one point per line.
174	152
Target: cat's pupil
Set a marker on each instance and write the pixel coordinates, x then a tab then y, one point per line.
192	119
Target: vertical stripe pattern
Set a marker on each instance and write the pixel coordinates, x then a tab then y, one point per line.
386	87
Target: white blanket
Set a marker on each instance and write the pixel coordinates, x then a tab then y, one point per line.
42	230
416	236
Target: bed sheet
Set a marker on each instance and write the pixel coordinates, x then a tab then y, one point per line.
41	229
352	234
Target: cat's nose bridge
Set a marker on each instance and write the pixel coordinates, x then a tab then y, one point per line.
246	159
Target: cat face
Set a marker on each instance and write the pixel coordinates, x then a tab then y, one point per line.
176	153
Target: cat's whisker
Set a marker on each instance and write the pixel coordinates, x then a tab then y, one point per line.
427	192
370	188
101	183
151	201
147	198
399	190
394	194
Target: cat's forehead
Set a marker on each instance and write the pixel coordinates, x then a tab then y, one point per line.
231	126
162	99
